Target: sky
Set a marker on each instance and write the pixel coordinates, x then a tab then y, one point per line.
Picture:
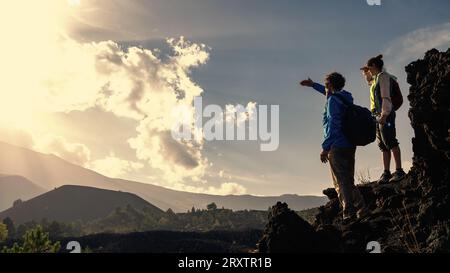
96	81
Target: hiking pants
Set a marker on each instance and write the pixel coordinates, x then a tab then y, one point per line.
342	164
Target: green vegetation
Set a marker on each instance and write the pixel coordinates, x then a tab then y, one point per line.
129	219
309	214
3	232
211	206
35	240
10	227
55	230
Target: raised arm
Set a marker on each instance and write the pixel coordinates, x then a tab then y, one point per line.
316	86
319	88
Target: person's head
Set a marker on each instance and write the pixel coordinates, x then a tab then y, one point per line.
334	82
367	75
375	65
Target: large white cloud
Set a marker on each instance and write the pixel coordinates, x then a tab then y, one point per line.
137	84
45	70
130	82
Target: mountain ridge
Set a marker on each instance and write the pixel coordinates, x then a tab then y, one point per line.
50	171
71	203
13	187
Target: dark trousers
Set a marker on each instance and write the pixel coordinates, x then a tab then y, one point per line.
386	134
342	164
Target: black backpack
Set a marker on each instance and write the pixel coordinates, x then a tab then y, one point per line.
396	95
358	124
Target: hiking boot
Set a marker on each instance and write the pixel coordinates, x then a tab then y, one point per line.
398	175
349	215
349	219
385	177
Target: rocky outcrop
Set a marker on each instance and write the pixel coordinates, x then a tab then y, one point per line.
286	232
430	118
409	216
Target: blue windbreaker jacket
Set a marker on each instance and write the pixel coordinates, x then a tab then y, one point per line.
332	120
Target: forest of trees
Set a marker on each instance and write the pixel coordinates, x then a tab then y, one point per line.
35	240
128	219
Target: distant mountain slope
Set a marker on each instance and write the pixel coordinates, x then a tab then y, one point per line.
71	203
50	171
47	171
13	187
181	201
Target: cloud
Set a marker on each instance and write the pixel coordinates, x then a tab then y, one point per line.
227	189
143	87
177	159
413	45
75	153
65	75
16	137
146	88
132	82
113	166
239	114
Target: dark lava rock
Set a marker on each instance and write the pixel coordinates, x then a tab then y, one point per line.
286	232
409	216
330	193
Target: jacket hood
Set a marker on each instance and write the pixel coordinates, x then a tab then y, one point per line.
347	95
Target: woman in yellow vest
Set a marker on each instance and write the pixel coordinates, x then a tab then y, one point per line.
381	106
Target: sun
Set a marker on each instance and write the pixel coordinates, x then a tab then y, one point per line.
31	32
74	2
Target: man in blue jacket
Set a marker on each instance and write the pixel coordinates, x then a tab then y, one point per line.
336	148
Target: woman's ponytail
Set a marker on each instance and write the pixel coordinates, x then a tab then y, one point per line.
376	61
